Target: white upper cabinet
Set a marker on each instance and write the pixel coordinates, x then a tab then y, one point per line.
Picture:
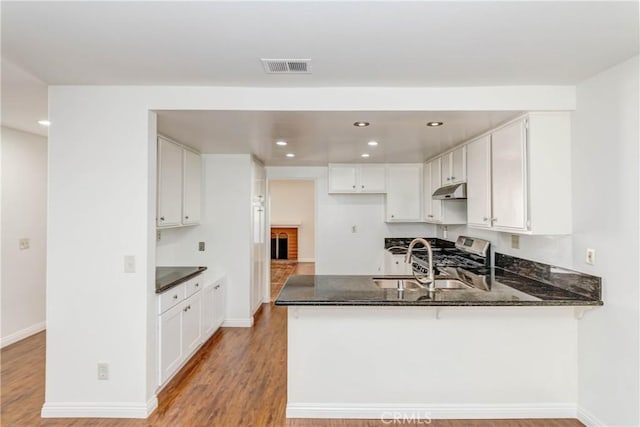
179	185
509	176
169	183
404	193
352	178
191	194
440	211
454	167
519	176
479	182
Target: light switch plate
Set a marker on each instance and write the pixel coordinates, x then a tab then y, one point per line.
201	246
590	257
103	371
515	241
129	264
24	243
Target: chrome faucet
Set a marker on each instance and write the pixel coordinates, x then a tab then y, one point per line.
425	243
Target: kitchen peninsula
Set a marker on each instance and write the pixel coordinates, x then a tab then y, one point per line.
508	351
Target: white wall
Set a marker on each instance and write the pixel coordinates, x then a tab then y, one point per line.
338	249
605	206
471	362
293	202
102	184
24	215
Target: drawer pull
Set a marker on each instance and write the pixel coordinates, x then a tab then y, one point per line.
185	309
175	297
216	287
197	284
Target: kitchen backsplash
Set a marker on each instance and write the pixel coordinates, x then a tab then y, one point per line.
573	281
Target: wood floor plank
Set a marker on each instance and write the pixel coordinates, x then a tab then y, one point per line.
238	378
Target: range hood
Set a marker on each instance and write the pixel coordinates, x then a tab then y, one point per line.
455	191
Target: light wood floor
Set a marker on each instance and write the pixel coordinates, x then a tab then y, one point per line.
237	379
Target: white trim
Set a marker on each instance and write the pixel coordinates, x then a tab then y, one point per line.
588	419
238	323
22	334
420	411
307	260
98	409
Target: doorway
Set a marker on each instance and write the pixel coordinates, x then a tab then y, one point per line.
292	230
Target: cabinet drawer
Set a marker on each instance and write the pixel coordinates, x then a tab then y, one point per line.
193	286
172	297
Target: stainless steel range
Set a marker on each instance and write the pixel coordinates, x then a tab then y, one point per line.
469	260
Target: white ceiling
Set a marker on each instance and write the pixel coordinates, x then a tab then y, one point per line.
321	137
351	43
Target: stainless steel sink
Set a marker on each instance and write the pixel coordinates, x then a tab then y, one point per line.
450	284
413	285
409	285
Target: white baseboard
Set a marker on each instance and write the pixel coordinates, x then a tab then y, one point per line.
238	323
417	411
588	419
98	409
22	334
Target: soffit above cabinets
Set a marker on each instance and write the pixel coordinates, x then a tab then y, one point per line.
321	137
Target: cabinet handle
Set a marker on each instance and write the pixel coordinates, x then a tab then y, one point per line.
189	307
430	216
448	179
185	309
393	216
494	219
175	297
452	178
186	217
397	262
354	186
197	284
362	186
161	218
485	219
216	287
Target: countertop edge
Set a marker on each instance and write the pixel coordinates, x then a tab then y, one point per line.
180	280
441	304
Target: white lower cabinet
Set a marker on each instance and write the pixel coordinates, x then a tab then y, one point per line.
188	317
171	354
212	308
395	265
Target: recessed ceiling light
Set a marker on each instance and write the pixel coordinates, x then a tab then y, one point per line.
365	155
290	155
44	122
361	124
373	143
435	124
281	143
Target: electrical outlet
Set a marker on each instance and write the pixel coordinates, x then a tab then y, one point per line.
24	244
201	246
103	371
515	241
158	235
590	257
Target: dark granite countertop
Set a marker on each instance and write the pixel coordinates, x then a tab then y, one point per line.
168	277
501	288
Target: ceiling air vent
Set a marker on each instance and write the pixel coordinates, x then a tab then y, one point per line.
286	66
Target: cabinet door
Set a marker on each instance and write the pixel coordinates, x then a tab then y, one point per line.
169	183
372	179
219	301
191	324
404	193
342	178
191	194
171	354
479	182
208	312
445	170
436	205
428	202
509	176
459	165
